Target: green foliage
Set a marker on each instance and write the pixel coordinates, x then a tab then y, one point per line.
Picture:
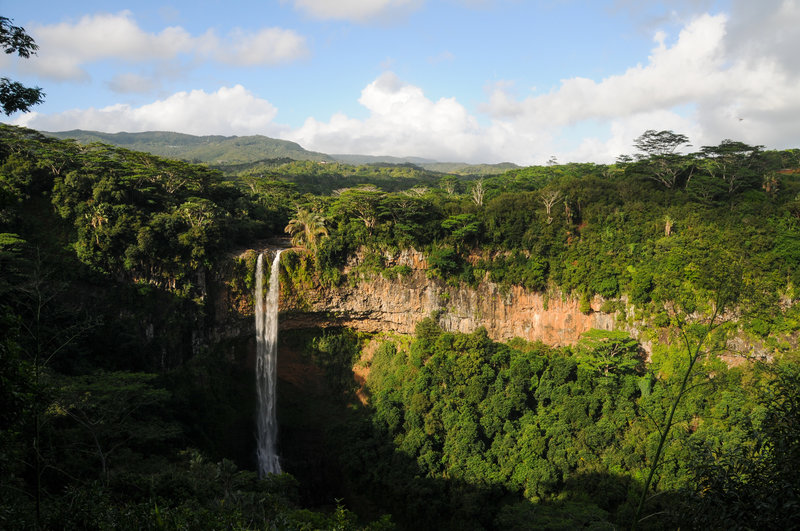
609	352
462	228
242	277
306	228
444	263
324	178
297	268
519	270
753	485
104	256
587	228
522	419
562	438
335	352
585	304
396	271
105	414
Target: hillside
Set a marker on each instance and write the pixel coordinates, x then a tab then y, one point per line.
372	159
461	168
456	168
226	152
217	150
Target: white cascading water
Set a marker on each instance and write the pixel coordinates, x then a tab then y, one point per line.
266	363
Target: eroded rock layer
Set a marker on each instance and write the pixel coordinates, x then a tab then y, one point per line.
398	304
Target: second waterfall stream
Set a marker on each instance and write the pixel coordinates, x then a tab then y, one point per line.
266	363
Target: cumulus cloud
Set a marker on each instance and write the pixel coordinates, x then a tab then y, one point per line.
696	86
228	111
689	69
716	79
357	10
65	48
402	121
766	29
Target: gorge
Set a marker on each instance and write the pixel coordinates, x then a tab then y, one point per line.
395	305
456	361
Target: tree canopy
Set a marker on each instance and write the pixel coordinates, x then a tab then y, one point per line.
123	406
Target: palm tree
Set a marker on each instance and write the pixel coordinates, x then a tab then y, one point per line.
306	228
97	218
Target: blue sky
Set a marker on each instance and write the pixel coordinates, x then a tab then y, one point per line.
466	80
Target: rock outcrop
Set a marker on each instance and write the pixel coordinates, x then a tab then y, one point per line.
380	304
398	304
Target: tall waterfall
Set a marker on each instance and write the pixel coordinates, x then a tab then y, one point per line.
266	362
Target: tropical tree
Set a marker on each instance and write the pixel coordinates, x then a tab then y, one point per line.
549	198
608	352
448	183
15	96
462	228
478	192
361	203
306	228
655	143
732	162
754	486
658	156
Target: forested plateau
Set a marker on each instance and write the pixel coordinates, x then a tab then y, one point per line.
551	347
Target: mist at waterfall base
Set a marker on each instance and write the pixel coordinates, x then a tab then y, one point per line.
266	362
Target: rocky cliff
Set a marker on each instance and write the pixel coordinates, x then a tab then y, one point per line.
374	303
398	304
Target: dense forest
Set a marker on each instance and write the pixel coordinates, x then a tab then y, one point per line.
115	414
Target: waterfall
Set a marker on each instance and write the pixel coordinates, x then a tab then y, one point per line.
266	363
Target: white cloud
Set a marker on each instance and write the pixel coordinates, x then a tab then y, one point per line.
402	121
672	76
717	79
132	84
65	48
266	47
228	111
622	131
357	10
694	86
766	29
746	96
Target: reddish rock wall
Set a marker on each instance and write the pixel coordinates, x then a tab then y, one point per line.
380	304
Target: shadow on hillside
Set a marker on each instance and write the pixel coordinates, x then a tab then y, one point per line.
335	450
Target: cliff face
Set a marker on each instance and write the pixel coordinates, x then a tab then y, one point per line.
398	304
379	304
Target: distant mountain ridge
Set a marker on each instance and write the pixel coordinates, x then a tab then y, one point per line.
218	150
211	149
376	159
